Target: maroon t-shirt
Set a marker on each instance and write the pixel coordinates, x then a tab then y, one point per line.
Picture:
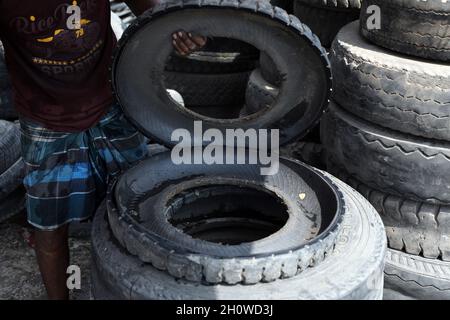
58	55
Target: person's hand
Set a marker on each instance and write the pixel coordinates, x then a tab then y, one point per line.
186	43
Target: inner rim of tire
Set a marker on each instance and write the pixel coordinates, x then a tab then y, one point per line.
227	214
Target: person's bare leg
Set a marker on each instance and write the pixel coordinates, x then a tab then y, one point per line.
52	251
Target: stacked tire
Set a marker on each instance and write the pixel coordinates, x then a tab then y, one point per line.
12	195
388	135
225	231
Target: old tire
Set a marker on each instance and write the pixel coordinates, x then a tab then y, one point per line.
385	159
413	277
209	90
294	242
353	271
260	94
414	227
325	21
9	145
393	91
417	28
7	110
304	94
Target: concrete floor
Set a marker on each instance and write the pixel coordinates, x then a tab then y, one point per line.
19	273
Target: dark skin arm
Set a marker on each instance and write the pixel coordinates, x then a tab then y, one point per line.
184	42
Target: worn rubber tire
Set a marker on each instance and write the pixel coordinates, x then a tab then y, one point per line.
12	205
386	160
324	21
393	91
416	28
305	92
415	277
353	271
11	178
413	227
310	153
296	246
259	94
209	90
9	144
343	4
7	110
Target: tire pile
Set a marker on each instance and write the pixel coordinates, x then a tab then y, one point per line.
387	134
180	231
12	194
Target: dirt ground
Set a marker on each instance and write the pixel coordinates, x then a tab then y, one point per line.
19	273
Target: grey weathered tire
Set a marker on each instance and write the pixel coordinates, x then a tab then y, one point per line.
325	21
9	144
393	91
259	94
415	277
302	241
11	178
417	28
296	50
413	227
353	271
396	163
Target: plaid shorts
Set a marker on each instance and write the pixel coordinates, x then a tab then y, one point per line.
67	173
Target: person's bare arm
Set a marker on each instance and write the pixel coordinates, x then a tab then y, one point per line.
184	42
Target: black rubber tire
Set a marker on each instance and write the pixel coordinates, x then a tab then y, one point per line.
386	160
260	94
416	28
209	90
336	4
12	205
9	144
297	245
415	277
7	110
310	153
283	4
11	178
413	227
353	271
393	91
297	52
324	21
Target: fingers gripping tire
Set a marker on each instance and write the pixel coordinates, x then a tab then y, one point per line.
353	271
417	28
142	94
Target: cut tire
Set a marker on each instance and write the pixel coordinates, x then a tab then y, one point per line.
353	271
296	245
12	205
305	93
393	91
260	94
417	28
385	159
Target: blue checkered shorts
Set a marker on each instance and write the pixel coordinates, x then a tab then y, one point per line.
67	173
